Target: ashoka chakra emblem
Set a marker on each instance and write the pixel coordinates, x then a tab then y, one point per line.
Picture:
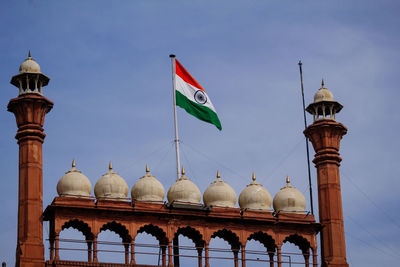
200	97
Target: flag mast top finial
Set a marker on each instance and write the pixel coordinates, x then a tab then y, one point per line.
172	56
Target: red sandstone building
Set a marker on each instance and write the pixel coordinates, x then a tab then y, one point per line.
183	213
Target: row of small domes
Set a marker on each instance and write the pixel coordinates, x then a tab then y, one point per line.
148	188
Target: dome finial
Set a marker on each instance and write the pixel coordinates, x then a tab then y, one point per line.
218	174
147	168
73	163
110	166
29	53
287	179
183	171
254	177
322	83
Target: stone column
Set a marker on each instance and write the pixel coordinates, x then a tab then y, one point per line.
30	111
200	256
271	259
56	247
314	255
236	257
243	256
279	256
126	245
207	254
90	255
325	135
176	251
306	259
133	261
51	241
95	249
164	255
170	262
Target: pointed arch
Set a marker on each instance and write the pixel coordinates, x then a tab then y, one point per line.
119	229
81	226
265	239
229	237
155	231
192	234
299	241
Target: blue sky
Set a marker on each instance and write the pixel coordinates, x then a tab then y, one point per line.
111	85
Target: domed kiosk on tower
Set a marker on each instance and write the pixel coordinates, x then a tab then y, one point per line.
289	199
111	185
255	196
74	183
219	193
184	190
324	105
30	79
148	188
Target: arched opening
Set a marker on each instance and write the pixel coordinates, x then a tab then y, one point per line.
72	245
147	249
113	243
224	248
295	251
260	250
74	242
188	247
150	246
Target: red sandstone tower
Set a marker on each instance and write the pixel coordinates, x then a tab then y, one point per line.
325	134
30	108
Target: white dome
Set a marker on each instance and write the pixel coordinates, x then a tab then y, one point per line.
219	193
111	185
289	199
74	183
184	190
255	196
323	94
148	188
29	65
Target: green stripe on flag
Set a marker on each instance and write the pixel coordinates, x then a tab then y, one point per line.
201	112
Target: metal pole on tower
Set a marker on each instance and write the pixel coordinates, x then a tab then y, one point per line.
176	140
305	127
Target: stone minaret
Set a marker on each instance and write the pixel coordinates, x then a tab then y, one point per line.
30	108
325	134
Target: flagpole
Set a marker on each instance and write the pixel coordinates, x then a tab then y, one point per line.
178	162
305	126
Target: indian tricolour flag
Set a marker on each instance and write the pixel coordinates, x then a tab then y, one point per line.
192	97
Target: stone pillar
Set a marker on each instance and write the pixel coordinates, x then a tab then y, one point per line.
176	251
133	260
30	111
56	247
279	256
164	255
271	259
314	256
306	259
243	256
95	249
200	257
236	257
170	262
51	241
325	135
90	255
126	245
207	254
